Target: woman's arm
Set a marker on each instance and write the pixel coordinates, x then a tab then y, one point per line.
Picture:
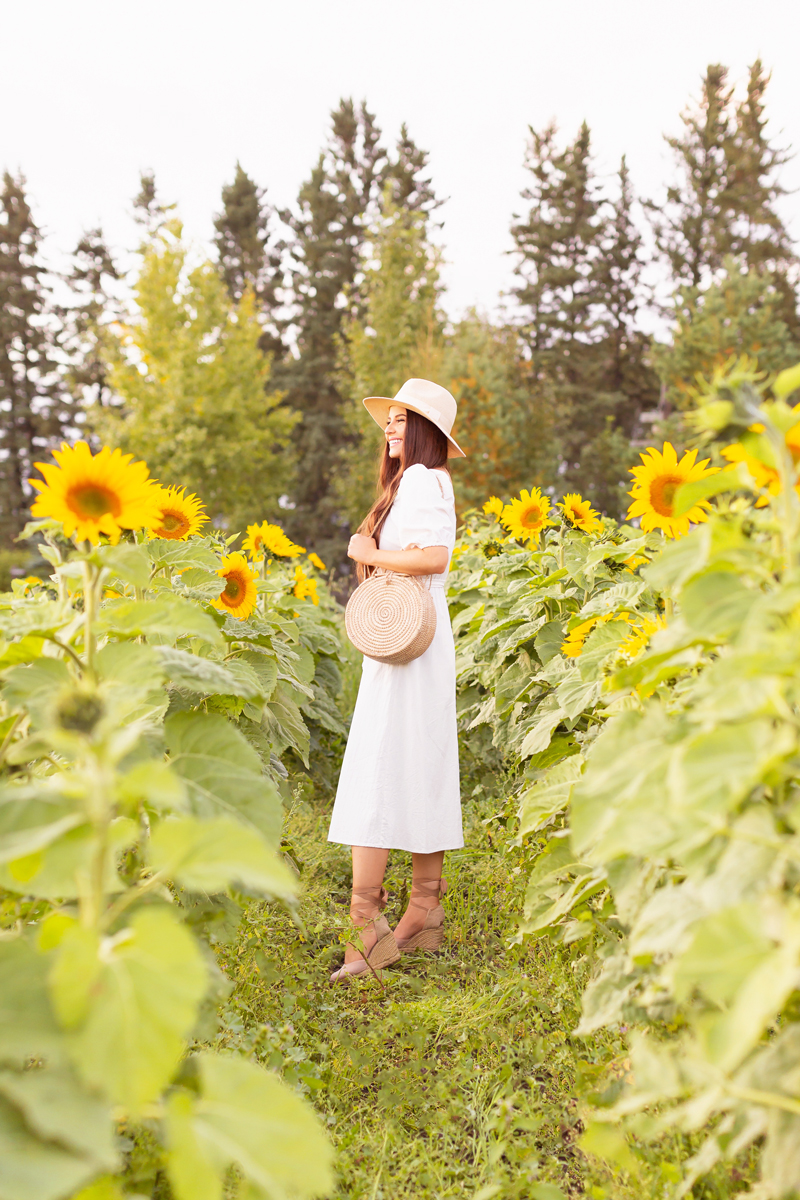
430	561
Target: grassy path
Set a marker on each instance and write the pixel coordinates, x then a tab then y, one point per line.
452	1079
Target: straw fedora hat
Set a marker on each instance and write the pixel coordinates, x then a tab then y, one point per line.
428	399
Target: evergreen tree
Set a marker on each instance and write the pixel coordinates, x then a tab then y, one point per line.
246	258
690	228
336	207
724	199
94	307
34	405
408	190
197	413
580	266
148	211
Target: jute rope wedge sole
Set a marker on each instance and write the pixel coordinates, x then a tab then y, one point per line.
384	952
431	936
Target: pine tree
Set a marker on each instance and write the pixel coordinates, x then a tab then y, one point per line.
34	405
627	384
94	307
690	228
246	257
336	208
724	200
148	210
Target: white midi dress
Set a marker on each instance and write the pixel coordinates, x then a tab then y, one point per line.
399	784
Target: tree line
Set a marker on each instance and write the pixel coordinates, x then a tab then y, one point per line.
241	375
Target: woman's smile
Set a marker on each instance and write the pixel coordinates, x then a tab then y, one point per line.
395	430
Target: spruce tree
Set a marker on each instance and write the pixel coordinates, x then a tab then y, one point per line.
246	257
34	406
335	210
727	188
94	307
690	228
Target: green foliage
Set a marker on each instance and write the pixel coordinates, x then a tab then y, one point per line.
739	314
657	791
580	266
398	337
140	805
191	380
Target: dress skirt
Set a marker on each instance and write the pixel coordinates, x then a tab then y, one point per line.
399	785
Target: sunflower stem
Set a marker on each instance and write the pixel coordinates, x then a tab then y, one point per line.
90	578
669	607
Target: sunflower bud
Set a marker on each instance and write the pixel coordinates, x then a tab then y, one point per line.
79	710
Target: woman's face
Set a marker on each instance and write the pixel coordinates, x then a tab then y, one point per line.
395	430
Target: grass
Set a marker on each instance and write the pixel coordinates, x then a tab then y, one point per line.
454	1076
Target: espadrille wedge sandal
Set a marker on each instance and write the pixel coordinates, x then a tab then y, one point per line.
431	935
384	952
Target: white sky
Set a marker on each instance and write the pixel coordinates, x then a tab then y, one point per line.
93	90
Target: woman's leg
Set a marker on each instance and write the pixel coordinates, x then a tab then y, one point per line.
425	868
369	868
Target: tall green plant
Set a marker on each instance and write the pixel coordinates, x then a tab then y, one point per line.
140	736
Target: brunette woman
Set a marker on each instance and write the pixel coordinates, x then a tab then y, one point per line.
399	785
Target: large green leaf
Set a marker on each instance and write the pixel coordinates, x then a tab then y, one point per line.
715	604
126	562
56	1107
724	949
209	856
223	772
31	818
206	676
34	1169
141	1003
247	1117
285	724
540	803
34	687
167	616
28	1029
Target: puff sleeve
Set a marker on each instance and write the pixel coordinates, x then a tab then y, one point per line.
425	516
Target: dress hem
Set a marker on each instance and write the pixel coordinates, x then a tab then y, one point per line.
405	849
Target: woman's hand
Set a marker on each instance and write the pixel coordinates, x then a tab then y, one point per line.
362	549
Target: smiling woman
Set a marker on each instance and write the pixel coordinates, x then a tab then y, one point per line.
399	785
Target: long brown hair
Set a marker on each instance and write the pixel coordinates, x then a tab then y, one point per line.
423	443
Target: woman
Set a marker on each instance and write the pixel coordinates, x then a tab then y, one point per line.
399	785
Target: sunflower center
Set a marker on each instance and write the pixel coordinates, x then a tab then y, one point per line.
662	493
233	589
92	501
174	522
531	516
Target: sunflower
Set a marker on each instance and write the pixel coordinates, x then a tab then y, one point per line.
304	588
579	512
493	507
525	517
765	476
655	485
316	561
492	548
254	542
181	515
238	597
640	635
276	543
96	494
572	646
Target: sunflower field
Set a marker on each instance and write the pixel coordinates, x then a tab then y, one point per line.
153	688
638	687
627	698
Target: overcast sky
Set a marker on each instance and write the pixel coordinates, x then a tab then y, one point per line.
91	92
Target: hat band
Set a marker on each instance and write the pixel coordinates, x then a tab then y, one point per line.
432	414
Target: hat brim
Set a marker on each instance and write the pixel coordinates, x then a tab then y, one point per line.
378	408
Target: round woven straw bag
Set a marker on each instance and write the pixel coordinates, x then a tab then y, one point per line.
391	617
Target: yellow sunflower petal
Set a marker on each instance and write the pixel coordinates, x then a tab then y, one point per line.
655	485
181	515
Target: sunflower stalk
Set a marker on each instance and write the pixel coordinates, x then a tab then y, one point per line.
91	582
